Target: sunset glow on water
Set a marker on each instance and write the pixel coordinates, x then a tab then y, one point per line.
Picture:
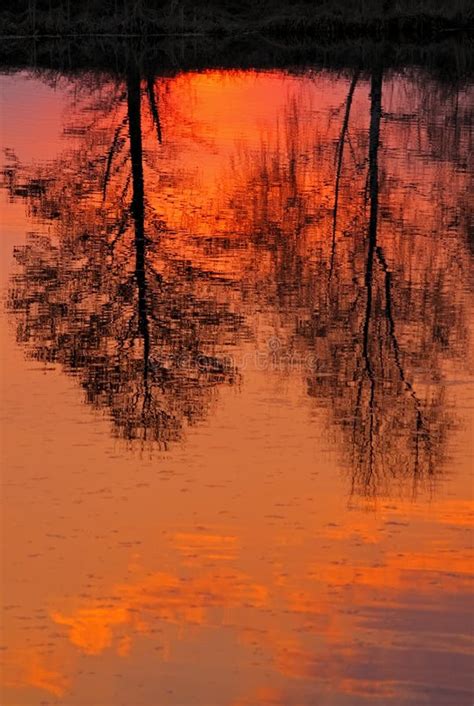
237	376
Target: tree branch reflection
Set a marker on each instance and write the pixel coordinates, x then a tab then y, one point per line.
140	332
338	252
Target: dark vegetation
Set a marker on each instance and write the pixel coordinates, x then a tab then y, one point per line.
390	19
449	61
174	35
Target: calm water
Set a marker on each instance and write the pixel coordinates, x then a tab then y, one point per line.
237	372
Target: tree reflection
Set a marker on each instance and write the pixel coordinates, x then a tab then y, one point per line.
349	259
141	333
370	365
377	303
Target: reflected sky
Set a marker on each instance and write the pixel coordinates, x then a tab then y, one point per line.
237	364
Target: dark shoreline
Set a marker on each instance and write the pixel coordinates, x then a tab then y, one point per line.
173	35
450	60
394	20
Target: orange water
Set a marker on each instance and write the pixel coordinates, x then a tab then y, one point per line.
239	474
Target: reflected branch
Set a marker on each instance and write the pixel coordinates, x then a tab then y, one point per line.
150	87
340	157
138	213
110	156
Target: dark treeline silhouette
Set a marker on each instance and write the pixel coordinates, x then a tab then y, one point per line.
449	60
336	18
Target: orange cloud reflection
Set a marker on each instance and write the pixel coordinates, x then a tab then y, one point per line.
161	596
28	667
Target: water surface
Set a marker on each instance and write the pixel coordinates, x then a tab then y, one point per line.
237	374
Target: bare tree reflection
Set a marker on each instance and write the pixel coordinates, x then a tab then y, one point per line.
358	268
377	304
339	162
144	335
394	425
